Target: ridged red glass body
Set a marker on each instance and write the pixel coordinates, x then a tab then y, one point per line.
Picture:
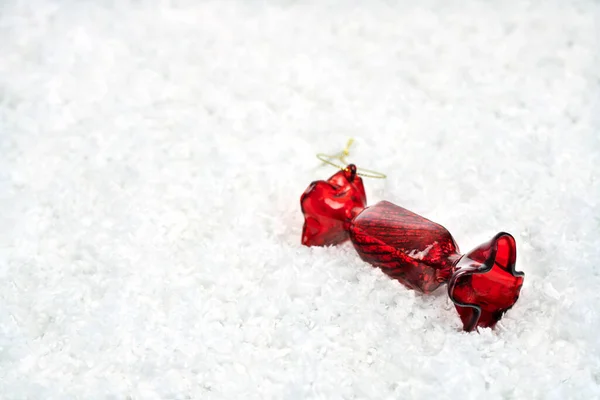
421	254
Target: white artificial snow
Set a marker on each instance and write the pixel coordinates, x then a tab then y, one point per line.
152	156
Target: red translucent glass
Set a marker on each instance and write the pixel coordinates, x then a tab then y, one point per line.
484	283
329	206
421	254
406	246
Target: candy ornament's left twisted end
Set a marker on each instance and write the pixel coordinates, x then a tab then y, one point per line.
328	206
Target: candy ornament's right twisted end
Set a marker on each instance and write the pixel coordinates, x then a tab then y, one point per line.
484	283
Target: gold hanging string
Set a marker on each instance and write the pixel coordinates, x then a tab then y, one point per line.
341	157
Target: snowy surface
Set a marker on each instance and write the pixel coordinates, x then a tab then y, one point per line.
152	156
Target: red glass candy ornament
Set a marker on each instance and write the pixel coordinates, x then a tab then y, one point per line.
419	253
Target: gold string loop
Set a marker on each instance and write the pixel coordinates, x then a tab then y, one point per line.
341	156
